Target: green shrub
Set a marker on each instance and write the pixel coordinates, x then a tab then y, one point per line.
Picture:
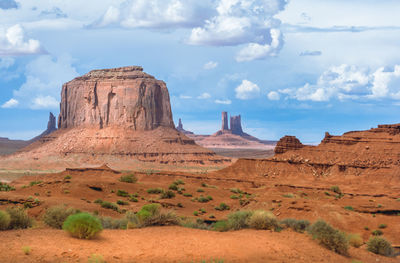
382	226
377	232
155	190
329	237
35	183
82	225
297	225
195	213
122	202
187	195
381	246
148	211
336	189
56	215
167	195
19	218
26	250
173	187
234	197
355	240
122	193
130	178
67	177
263	220
289	195
350	208
151	215
203	199
236	191
222	207
200	190
5	220
238	220
179	181
98	201
109	205
5	187
133	199
220	226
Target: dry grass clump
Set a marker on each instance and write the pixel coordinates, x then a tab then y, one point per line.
297	225
5	220
381	246
19	218
130	178
263	220
56	215
355	240
151	215
329	237
239	220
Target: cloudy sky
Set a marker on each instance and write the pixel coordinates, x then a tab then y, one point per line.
298	67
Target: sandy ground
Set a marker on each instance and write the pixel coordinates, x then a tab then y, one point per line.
172	244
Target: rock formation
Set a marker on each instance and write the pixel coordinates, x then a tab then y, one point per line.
288	143
181	129
51	127
236	125
117	116
124	97
224	121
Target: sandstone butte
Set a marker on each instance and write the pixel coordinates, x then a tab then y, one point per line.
117	116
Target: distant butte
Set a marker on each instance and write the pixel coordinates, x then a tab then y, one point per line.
117	116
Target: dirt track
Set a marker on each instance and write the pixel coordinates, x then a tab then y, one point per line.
172	244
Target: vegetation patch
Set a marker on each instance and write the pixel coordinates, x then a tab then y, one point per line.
82	225
222	207
130	178
377	232
167	195
294	224
350	208
19	218
5	187
155	190
122	193
380	246
329	237
56	215
122	202
239	220
263	220
355	240
109	205
5	220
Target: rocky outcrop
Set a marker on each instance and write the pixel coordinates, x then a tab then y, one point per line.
181	129
236	125
224	121
124	97
51	127
288	143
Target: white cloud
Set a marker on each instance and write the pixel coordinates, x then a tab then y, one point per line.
12	103
44	78
210	65
203	96
156	14
310	53
254	51
273	95
13	42
247	90
185	97
239	22
8	4
350	82
226	102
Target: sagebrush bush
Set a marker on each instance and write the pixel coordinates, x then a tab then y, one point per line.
222	207
297	225
220	226
111	223
122	193
130	178
381	246
5	220
19	218
56	215
377	232
109	205
155	190
263	220
238	220
82	225
355	240
173	186
167	195
151	215
329	237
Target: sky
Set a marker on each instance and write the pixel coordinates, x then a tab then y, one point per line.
289	67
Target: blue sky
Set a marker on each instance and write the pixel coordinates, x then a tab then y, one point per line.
299	67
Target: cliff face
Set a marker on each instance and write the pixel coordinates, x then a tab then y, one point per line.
288	143
125	97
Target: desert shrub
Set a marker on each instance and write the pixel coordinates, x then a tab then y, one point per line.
203	199
377	232
234	197
196	224
381	246
67	177
151	215
196	213
179	181
98	201
122	202
130	178
236	190
167	195
187	195
155	190
239	219
109	205
19	218
355	240
26	250
5	187
263	220
329	237
5	220
133	199
382	226
297	225
149	211
95	258
200	190
111	223
173	187
35	183
122	193
220	226
82	225
336	189
289	195
222	207
56	215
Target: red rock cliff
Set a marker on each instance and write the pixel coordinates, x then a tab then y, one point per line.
124	96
